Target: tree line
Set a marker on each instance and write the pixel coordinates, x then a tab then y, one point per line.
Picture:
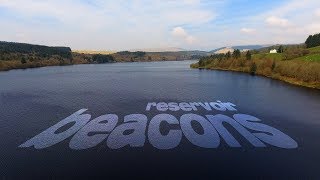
236	54
134	54
313	41
100	58
39	50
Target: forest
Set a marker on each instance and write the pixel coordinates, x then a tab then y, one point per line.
21	55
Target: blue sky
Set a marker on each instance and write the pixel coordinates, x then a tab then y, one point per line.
137	24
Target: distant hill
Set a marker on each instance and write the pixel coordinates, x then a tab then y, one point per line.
37	50
128	56
93	52
215	50
21	55
164	49
177	49
232	48
251	47
224	50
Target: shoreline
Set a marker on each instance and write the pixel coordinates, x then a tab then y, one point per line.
57	65
293	81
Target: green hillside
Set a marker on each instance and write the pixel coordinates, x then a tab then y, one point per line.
309	54
312	57
277	56
296	64
315	49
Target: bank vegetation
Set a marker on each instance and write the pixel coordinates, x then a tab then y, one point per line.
21	56
295	64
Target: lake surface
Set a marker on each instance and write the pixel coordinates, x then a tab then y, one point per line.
33	100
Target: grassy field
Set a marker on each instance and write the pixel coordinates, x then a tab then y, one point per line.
277	56
315	49
312	57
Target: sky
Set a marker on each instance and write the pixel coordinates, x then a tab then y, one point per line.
137	24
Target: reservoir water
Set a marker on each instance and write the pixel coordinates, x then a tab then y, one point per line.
33	100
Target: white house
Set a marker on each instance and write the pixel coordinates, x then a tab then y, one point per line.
273	51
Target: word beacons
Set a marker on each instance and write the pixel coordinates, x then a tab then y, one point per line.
135	130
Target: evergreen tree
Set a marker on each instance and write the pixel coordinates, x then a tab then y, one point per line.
228	55
100	58
280	49
201	63
273	65
236	53
23	60
248	55
313	41
253	69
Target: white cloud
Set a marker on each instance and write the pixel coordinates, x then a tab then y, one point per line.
289	23
317	12
181	33
248	30
141	23
191	1
137	24
278	22
313	28
290	9
191	39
